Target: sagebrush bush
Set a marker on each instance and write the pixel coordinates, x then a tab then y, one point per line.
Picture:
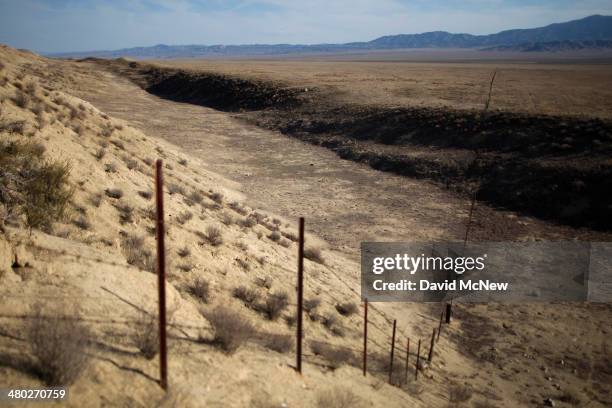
275	236
281	343
136	254
335	356
314	254
115	193
338	398
459	393
47	193
247	295
347	308
145	335
200	289
147	195
59	346
231	328
184	252
276	303
213	235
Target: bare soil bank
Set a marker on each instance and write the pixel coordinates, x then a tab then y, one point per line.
553	167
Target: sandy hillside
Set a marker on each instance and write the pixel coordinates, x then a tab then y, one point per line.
229	265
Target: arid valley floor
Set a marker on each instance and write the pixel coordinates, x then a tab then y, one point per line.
247	168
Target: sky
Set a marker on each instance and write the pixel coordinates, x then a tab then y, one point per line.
48	26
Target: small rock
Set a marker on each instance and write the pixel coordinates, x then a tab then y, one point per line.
549	402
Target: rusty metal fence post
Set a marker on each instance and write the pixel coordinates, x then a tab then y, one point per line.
392	350
161	274
418	361
300	296
407	357
431	345
448	313
365	337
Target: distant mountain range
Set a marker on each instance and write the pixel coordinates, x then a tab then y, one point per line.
594	32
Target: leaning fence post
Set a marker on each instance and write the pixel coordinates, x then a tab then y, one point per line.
440	326
431	345
407	357
161	274
418	361
365	337
448	313
392	350
300	295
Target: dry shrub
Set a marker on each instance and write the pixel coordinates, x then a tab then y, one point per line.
58	346
96	199
347	308
196	197
281	343
275	236
217	197
145	335
118	143
184	252
227	219
183	162
200	289
237	207
82	222
243	263
213	235
264	282
186	267
21	99
126	213
290	236
232	329
147	195
314	254
572	396
335	356
130	163
110	168
183	217
136	254
330	321
100	153
276	303
310	306
114	193
459	393
337	398
247	295
174	188
249	222
17	126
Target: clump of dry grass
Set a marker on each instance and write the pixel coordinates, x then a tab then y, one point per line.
184	252
22	99
110	168
310	306
95	199
82	222
186	267
459	393
227	219
247	295
347	308
249	222
100	153
115	193
338	398
217	197
174	188
126	213
58	346
145	335
275	236
33	187
314	254
147	195
232	329
275	304
243	263
213	235
200	289
183	217
265	282
130	163
335	356
136	254
196	197
281	343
